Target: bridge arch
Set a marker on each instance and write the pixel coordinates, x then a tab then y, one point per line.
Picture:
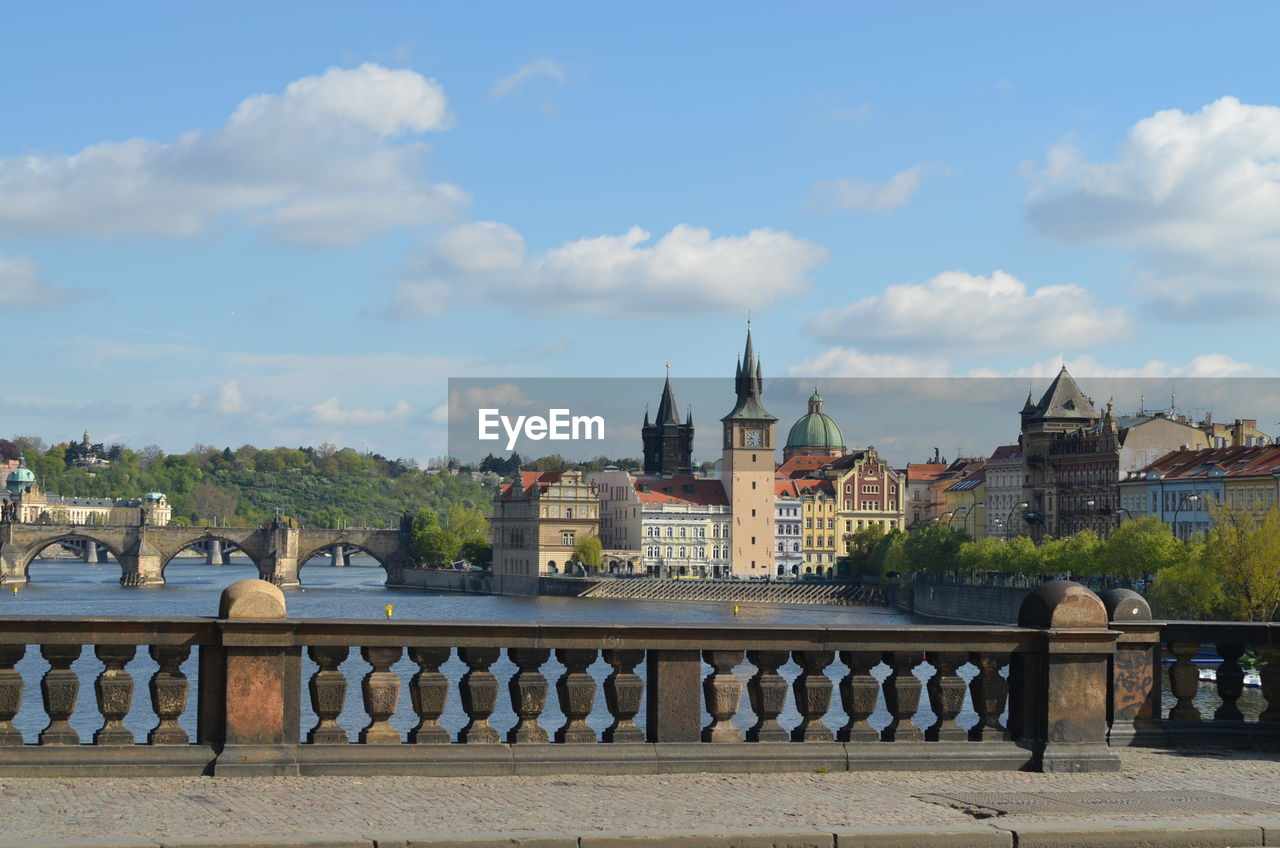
304	556
203	534
41	545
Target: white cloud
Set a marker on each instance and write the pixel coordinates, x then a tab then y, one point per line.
331	412
21	285
982	314
609	274
324	163
538	69
1195	196
226	399
871	196
851	362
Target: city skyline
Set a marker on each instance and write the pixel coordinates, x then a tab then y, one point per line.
304	242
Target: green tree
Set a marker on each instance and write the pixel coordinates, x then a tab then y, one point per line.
1187	589
1243	553
895	559
587	552
933	549
1139	547
478	552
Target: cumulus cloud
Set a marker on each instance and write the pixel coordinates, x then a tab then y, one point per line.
22	286
1195	196
538	69
608	274
331	160
226	399
871	196
850	362
331	412
988	314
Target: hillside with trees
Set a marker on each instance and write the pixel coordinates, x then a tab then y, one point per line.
324	486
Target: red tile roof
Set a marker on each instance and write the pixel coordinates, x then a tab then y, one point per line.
1234	462
1006	452
801	466
680	490
924	470
529	478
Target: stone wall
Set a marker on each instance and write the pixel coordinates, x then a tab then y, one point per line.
977	604
443	580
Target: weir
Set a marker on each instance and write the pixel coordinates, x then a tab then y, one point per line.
1076	679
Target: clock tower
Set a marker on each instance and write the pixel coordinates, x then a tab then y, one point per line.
747	470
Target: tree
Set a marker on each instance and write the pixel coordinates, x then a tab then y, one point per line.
587	552
1187	589
933	549
210	502
895	559
8	450
1243	553
478	552
466	523
1139	547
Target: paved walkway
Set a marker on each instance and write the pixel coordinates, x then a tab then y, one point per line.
263	810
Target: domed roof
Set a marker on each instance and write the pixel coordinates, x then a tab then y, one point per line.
153	496
815	429
20	478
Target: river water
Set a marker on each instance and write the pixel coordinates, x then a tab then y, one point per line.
71	587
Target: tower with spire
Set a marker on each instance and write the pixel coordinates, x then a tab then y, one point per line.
668	442
747	469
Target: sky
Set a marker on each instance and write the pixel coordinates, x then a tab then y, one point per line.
288	223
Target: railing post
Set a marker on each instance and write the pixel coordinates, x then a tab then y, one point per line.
1134	691
1073	678
673	703
261	685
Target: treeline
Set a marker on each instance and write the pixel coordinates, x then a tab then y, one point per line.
1233	573
554	462
324	486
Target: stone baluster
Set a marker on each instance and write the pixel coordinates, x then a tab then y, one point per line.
946	697
1270	674
1184	681
623	690
428	689
169	694
328	687
10	692
59	689
528	691
576	690
381	691
1230	682
722	691
114	689
902	697
767	690
813	696
479	691
858	694
989	692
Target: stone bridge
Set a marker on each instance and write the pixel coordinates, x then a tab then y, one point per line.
144	551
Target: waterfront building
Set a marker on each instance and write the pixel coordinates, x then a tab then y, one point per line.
747	470
869	493
1242	433
922	504
668	442
1003	476
788	520
814	434
967	504
32	505
663	526
1183	487
537	519
818	510
960	468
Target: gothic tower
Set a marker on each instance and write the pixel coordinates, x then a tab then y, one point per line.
747	470
668	444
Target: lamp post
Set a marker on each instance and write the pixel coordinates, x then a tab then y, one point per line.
954	514
973	512
1088	505
1008	519
1183	500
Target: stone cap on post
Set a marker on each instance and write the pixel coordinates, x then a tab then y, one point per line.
252	599
1125	605
1062	605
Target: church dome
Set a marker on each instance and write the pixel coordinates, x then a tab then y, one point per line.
20	479
815	429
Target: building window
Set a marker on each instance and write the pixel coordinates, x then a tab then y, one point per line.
566	538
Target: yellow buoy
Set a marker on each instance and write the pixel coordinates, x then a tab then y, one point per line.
390	609
15	590
735	609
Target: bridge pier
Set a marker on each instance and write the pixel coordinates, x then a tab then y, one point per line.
280	564
340	555
214	554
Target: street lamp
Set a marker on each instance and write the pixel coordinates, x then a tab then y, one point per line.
1008	519
973	511
1185	499
954	514
1088	505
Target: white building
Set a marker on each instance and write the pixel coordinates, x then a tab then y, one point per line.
787	520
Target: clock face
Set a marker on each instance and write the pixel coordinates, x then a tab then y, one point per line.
753	438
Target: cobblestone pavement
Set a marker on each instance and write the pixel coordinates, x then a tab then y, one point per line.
342	807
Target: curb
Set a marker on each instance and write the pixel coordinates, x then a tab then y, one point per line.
1201	833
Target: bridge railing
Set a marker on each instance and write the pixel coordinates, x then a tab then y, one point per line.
273	695
1185	682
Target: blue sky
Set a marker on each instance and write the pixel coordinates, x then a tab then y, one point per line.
291	223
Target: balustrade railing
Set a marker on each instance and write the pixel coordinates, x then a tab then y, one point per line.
254	692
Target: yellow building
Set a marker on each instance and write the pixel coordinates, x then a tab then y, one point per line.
818	513
537	519
967	505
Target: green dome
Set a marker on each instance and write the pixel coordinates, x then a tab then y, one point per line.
20	479
153	496
815	429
